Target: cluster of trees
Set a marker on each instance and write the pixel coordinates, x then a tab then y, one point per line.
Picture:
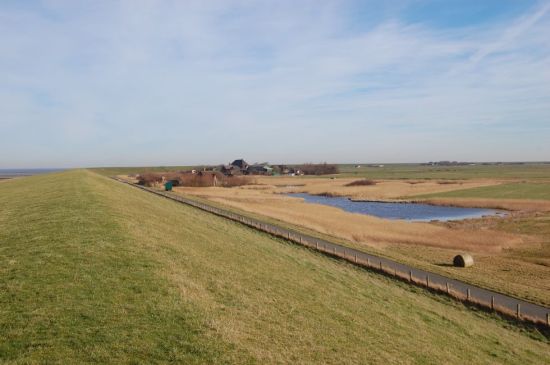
200	179
318	169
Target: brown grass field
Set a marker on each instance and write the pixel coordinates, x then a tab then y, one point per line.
363	229
383	190
508	257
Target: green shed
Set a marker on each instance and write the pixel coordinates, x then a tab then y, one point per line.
168	185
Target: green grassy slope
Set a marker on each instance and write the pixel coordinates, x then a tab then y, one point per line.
538	191
75	286
96	271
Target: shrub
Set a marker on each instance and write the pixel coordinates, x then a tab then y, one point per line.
318	169
362	182
196	180
231	181
149	178
202	179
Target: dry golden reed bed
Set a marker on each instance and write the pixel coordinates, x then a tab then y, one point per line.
359	228
384	189
511	254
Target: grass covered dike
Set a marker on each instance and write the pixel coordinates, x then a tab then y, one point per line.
96	271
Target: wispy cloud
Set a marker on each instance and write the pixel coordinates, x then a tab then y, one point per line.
172	82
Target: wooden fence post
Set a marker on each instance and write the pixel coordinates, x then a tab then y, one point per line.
410	276
380	265
518	312
492	302
468	294
355	256
447	287
427	281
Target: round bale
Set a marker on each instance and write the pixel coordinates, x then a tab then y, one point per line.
463	260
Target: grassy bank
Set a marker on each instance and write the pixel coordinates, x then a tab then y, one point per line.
95	271
531	191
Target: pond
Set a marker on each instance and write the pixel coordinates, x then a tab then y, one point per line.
406	211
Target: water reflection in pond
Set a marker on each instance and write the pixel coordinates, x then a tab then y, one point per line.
406	211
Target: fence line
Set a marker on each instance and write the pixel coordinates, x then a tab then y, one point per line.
457	289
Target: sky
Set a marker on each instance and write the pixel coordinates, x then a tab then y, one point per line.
135	83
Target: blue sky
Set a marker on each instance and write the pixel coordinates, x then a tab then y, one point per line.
100	83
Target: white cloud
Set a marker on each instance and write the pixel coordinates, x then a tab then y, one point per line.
189	82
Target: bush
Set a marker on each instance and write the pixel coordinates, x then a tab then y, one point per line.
202	179
149	179
196	180
363	182
318	169
231	181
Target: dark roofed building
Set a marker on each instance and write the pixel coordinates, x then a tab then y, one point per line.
260	170
241	164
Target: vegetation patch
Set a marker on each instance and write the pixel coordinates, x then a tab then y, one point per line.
362	182
520	190
200	179
318	169
98	271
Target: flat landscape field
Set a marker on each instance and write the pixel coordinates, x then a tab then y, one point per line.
92	270
521	190
539	171
512	253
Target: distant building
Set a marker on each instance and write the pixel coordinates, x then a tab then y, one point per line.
241	164
259	170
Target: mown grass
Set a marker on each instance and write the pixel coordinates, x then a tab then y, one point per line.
523	190
97	271
75	287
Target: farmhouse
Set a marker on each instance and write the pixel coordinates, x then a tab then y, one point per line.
241	164
259	170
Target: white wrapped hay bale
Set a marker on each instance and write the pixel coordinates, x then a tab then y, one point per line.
463	260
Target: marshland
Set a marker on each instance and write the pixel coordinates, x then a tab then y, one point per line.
512	250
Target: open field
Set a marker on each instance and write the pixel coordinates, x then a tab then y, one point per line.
522	190
508	258
416	171
382	190
100	272
529	171
521	196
